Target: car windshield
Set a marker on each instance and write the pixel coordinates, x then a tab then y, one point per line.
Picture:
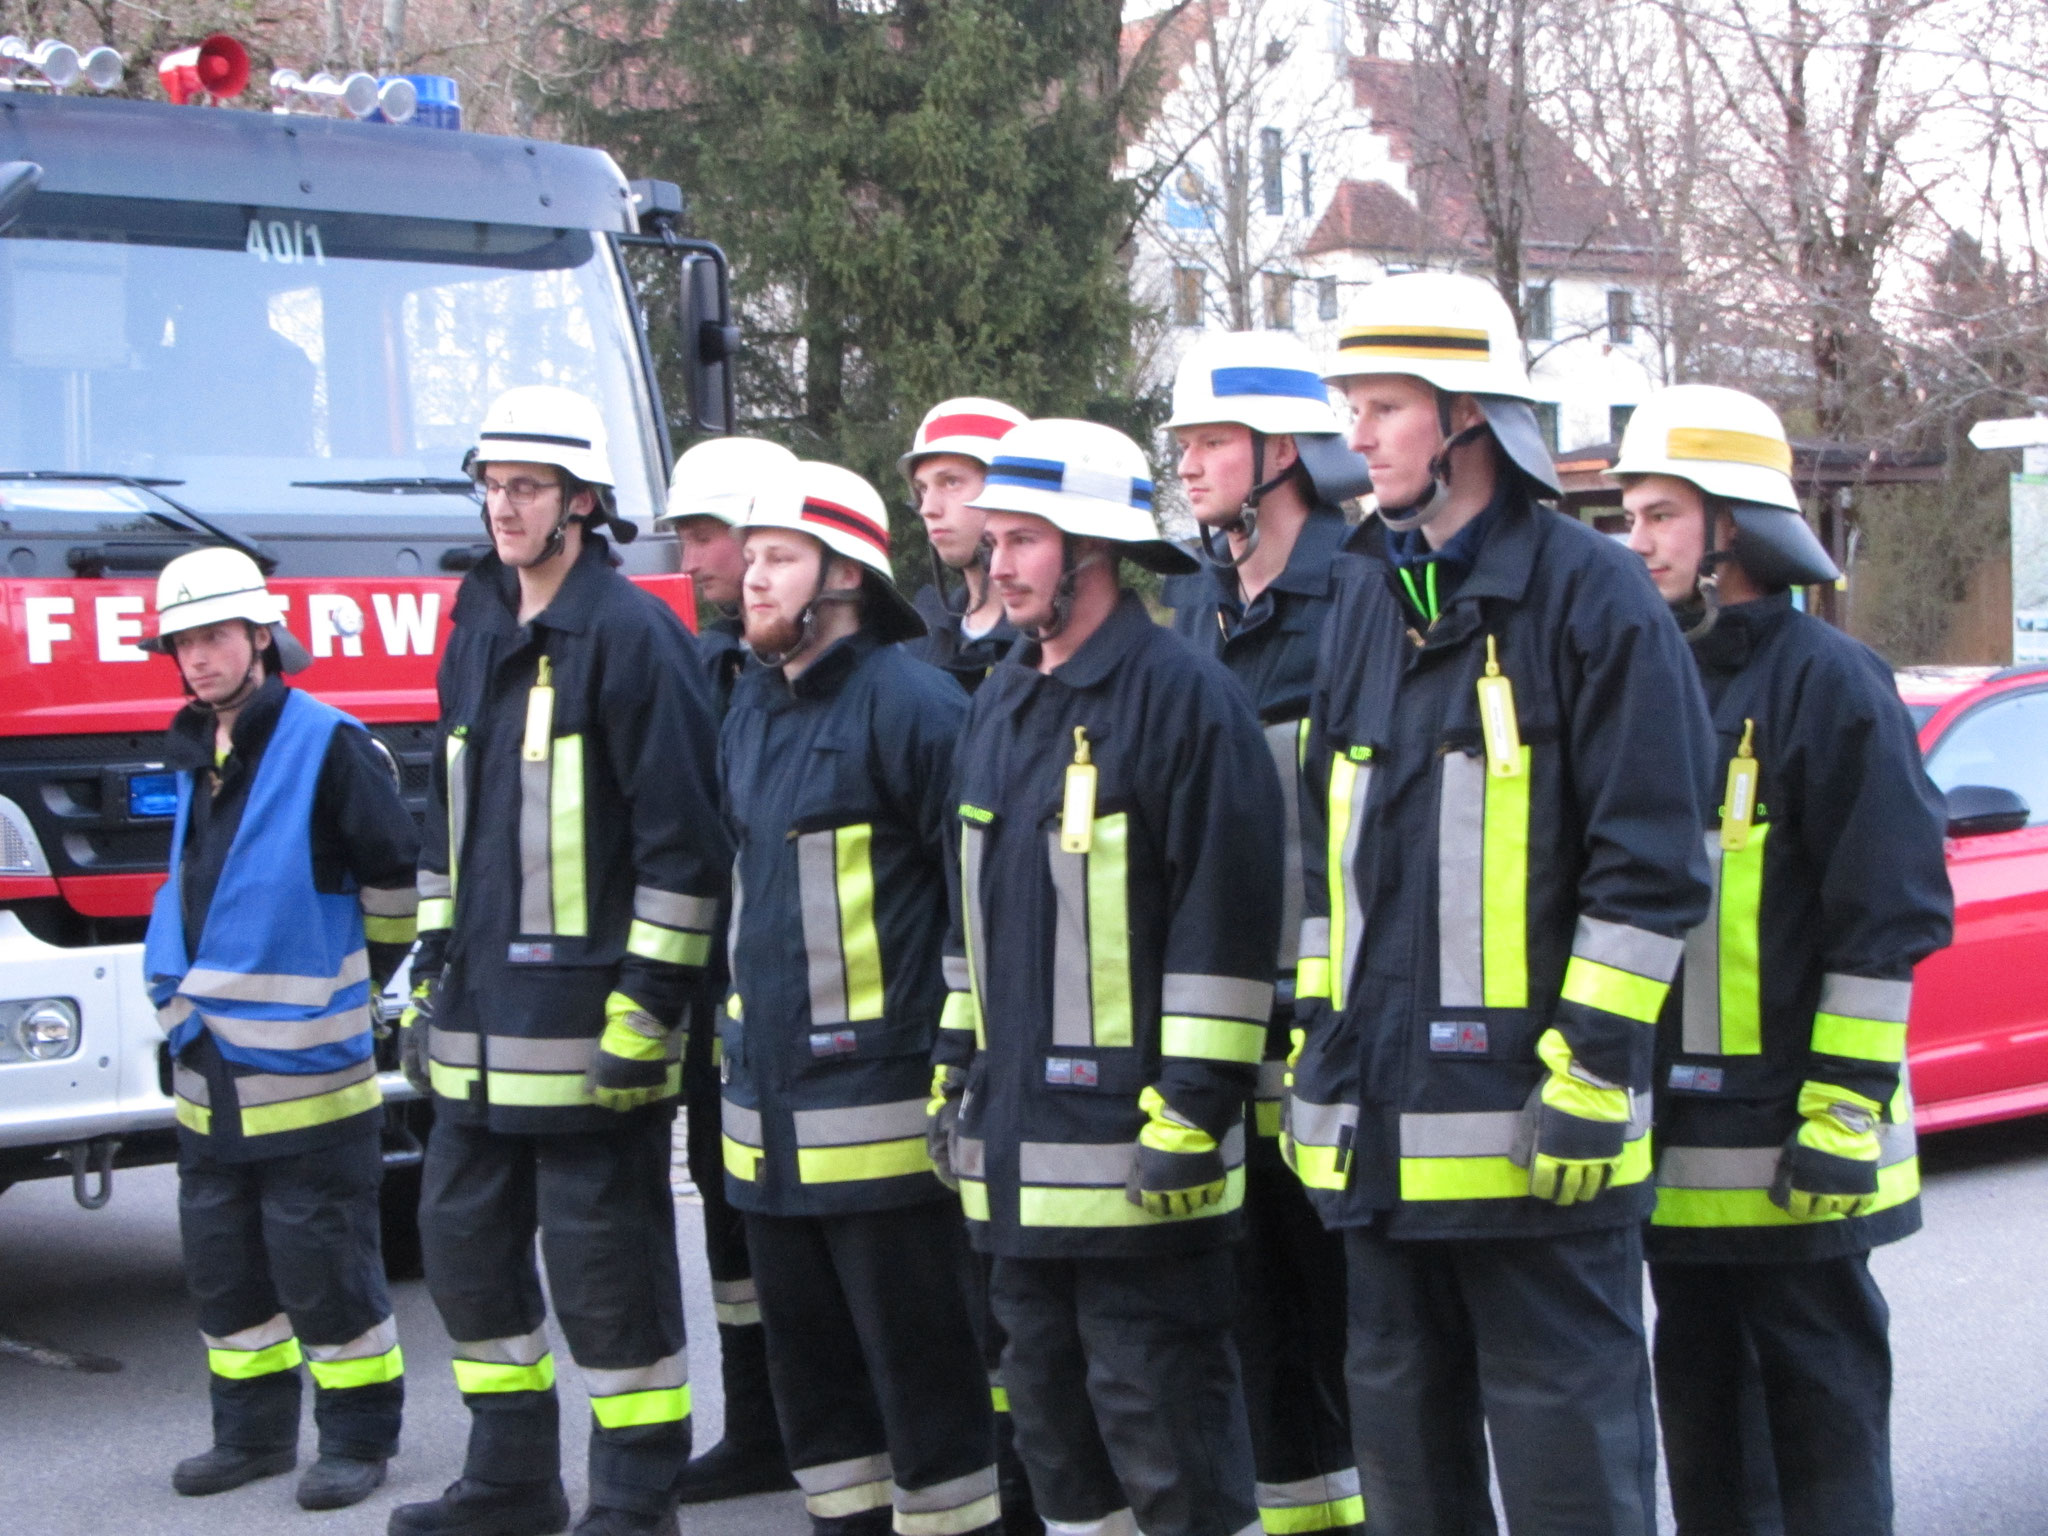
240	350
2003	743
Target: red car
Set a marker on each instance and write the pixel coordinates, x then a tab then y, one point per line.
1978	1038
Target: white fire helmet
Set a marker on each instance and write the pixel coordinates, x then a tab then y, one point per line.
970	426
720	477
212	586
1087	480
844	513
1264	380
547	424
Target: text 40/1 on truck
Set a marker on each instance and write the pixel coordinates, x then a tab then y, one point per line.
276	331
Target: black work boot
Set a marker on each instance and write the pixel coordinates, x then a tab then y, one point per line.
229	1466
750	1459
469	1507
335	1482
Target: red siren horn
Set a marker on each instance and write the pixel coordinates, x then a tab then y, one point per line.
212	70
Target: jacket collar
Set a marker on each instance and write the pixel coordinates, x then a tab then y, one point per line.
824	677
1127	623
1307	572
490	593
188	745
1741	631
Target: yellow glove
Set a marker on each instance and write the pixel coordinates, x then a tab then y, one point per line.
1829	1165
1177	1168
1574	1128
1297	1038
633	1056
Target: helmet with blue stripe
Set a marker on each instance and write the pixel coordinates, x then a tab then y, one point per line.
1265	380
1088	481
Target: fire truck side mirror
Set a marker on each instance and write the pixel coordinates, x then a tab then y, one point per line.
18	182
711	341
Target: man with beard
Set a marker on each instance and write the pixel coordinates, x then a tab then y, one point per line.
710	492
948	459
1785	1124
1263	464
1112	976
836	760
570	881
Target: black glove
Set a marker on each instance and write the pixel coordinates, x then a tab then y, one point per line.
942	1120
413	1025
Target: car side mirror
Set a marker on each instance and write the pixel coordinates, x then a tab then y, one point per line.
1976	809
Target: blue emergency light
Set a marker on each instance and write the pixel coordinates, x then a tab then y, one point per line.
152	794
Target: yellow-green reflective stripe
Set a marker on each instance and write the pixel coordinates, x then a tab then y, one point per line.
1332	1516
1312	977
858	944
959	1011
999	1399
1504	889
658	1405
196	1118
1498	1178
651	941
565	837
1836	1034
390	930
1066	1205
482	1376
1752	1207
451	1082
1109	930
554	1090
1343	776
1317	1167
1593	985
437	912
1183	1034
1266	1118
867	1160
319	1109
974	1199
243	1364
338	1375
1742	892
741	1160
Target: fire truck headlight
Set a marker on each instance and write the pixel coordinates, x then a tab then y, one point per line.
21	851
40	1029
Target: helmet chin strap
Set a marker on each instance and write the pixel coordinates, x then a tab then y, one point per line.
1247	520
807	621
1707	584
1431	506
1062	594
557	535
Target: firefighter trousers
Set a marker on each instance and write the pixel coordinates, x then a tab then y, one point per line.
1019	1516
602	1206
283	1255
1537	1342
1124	1388
878	1385
1290	1343
742	1355
1774	1382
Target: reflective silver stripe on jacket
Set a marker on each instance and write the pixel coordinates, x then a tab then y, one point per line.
1625	947
1460	897
1094	1164
1321	1125
1680	1167
1865	997
188	1085
1283	741
743	1125
674	909
536	845
265	987
973	844
817	881
454	1047
970	1157
1073	998
283	1087
289	1034
1344	967
515	1053
863	1123
389	901
1217	997
434	886
1699	1030
458	807
732	928
1272	1081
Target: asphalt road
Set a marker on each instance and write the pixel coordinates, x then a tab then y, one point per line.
90	1451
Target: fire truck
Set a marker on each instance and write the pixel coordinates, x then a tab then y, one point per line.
275	331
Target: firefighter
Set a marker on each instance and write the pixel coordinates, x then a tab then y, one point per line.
290	903
570	881
946	465
1263	462
1785	1125
836	761
1506	768
713	486
1111	970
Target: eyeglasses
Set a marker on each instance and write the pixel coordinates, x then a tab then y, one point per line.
522	493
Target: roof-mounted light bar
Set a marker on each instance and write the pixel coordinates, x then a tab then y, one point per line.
59	65
358	94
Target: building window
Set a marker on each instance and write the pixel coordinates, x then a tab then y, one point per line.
1536	306
1308	189
1279	301
1617	421
1326	298
1189	300
1546	419
1621	316
1270	158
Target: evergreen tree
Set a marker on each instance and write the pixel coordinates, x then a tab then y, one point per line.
918	196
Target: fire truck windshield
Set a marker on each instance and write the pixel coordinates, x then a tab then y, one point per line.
288	361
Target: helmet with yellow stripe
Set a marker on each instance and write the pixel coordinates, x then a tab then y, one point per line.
1456	334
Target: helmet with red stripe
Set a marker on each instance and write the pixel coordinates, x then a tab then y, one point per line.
969	426
845	514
